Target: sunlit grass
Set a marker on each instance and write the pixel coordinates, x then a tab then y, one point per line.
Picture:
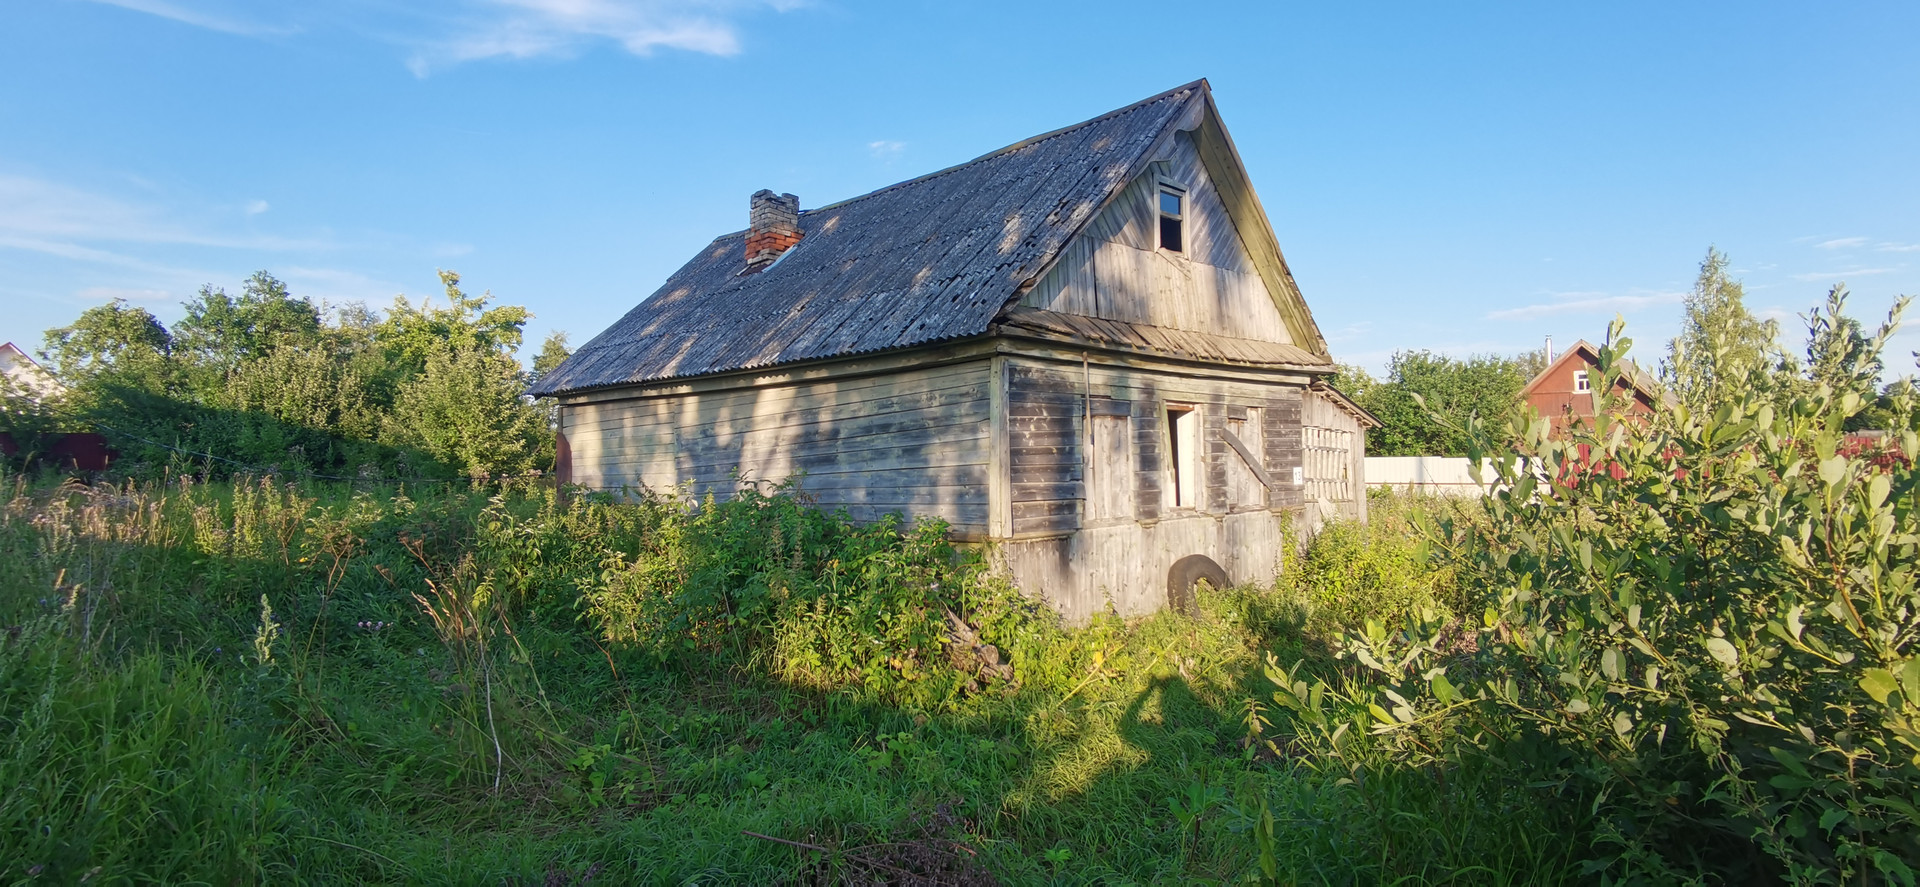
150	741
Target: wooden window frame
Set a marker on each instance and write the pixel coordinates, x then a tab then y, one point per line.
1582	383
1160	217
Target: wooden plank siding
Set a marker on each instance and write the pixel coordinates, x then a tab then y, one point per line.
915	442
1047	404
1114	269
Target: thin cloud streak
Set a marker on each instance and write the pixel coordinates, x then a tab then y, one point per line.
49	217
1841	243
1841	275
441	34
198	19
1586	303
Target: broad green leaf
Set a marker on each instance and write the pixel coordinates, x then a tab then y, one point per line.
1723	651
1909	674
1877	490
1613	663
1879	683
1578	706
1833	469
1443	690
1834	816
1380	714
1788	761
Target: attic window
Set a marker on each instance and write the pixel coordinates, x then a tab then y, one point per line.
1580	385
1173	204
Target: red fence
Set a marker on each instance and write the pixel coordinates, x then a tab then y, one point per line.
82	452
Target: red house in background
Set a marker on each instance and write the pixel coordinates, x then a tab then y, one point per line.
1564	391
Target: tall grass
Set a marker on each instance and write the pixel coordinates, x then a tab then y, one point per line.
255	682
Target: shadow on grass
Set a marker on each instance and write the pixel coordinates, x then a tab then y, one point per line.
340	737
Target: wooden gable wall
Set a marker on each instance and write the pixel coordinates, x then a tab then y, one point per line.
1115	270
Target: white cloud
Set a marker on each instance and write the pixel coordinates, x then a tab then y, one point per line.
1587	303
256	207
885	149
1899	247
523	29
199	17
438	33
44	216
1841	275
1841	243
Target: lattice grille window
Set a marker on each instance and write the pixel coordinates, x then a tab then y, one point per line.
1329	463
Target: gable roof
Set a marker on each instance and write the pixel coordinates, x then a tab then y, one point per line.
1640	379
929	259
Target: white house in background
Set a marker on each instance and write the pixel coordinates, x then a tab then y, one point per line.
25	376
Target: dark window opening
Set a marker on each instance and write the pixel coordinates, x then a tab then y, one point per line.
1172	219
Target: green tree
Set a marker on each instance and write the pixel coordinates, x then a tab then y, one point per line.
1484	385
1351	380
111	337
1721	344
409	335
465	410
221	331
553	352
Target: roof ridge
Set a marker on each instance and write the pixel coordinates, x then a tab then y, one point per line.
1033	140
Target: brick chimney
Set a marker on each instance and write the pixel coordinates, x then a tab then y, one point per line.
773	227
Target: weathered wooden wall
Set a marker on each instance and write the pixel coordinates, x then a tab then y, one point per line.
911	442
1093	521
1334	449
1115	269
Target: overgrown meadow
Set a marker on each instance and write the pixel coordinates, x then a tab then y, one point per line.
1668	648
253	681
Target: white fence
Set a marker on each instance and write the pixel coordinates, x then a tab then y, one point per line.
1427	474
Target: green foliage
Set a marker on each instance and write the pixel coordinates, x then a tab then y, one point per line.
464	409
1720	344
410	336
221	332
1353	381
1421	385
438	710
1350	573
269	381
1702	625
110	337
553	353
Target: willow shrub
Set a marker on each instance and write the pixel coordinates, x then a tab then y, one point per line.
1703	626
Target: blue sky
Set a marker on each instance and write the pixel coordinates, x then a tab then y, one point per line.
1464	178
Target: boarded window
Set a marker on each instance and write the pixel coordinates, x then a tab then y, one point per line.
1244	487
1110	469
1183	462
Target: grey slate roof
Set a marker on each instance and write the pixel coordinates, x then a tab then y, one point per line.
925	260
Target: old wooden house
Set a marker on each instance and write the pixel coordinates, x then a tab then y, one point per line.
1084	348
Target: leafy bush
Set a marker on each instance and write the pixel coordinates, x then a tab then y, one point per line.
1701	624
1350	573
